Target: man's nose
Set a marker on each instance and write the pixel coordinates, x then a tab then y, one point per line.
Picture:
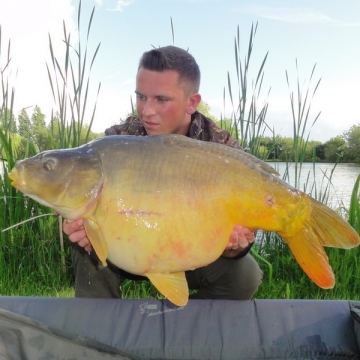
149	108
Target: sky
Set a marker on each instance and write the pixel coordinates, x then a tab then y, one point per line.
296	35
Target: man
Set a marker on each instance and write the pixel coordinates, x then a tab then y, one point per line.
167	94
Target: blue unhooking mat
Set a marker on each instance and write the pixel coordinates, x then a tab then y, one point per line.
53	328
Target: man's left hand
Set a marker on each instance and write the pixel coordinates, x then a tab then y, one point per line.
240	239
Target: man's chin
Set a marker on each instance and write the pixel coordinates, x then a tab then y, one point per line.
153	129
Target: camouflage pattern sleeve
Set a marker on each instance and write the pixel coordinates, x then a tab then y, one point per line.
131	126
223	136
203	128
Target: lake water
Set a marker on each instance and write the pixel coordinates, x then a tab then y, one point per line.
342	181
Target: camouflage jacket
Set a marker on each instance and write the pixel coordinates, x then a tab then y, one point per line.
201	128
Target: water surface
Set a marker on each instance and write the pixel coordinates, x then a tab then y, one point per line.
342	180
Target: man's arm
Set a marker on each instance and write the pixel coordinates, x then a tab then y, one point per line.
131	126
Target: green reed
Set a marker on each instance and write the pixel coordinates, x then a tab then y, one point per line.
247	121
354	208
32	261
70	85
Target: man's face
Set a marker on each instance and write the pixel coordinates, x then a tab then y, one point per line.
162	104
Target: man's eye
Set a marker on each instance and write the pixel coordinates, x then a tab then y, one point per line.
163	99
140	97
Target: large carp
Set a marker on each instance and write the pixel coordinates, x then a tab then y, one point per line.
159	205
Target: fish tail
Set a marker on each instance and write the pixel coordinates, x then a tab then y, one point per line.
331	228
324	227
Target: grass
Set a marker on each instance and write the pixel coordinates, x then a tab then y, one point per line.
33	263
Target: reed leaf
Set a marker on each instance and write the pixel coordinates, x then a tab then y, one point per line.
73	87
300	110
247	119
354	209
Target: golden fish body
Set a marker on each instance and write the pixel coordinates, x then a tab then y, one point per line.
159	205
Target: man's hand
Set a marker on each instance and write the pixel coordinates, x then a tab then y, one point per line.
240	238
76	233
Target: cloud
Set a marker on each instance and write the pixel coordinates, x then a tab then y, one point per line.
128	82
121	4
117	5
290	15
357	24
305	17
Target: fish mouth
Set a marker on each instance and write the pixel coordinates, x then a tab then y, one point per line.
13	176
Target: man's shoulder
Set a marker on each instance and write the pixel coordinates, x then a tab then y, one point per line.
204	128
131	126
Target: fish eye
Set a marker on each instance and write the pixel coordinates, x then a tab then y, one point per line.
49	164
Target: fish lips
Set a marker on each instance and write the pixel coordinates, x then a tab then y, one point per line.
14	177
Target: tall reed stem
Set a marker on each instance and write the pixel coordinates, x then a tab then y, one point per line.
70	86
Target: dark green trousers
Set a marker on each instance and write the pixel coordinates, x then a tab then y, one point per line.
231	279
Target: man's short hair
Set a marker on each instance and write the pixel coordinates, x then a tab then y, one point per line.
173	58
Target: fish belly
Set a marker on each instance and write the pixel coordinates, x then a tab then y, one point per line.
163	234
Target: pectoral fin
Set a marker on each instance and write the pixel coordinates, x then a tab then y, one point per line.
97	241
173	286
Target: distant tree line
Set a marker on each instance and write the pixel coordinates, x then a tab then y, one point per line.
344	148
33	129
31	133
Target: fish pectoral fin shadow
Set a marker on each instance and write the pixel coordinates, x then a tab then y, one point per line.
173	286
98	243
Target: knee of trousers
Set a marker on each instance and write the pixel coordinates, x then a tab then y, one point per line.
245	277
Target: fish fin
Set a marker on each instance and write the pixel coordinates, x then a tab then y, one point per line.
98	243
173	286
324	227
312	258
331	228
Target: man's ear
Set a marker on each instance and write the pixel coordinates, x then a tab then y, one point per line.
194	101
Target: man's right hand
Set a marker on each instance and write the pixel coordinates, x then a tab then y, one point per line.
76	233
